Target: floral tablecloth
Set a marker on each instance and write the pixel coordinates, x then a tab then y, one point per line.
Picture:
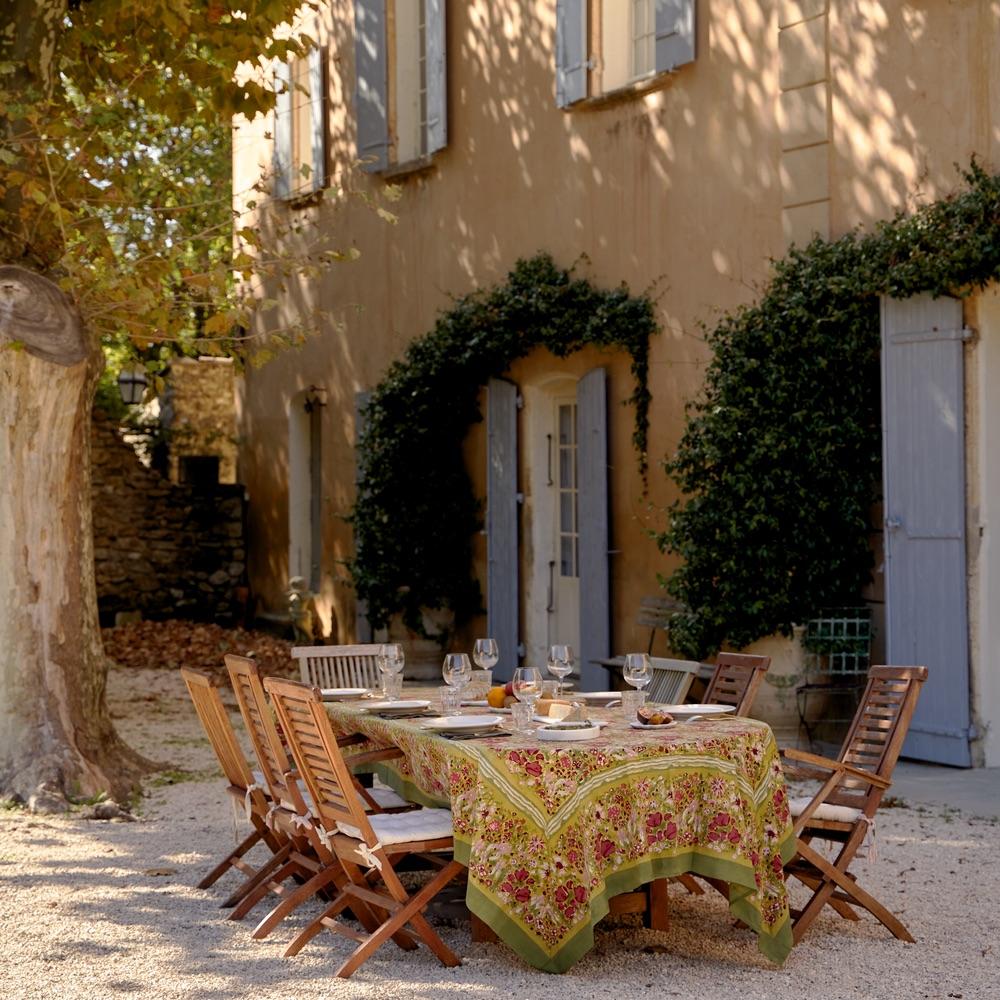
551	831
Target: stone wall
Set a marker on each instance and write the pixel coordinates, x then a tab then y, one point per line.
165	549
200	413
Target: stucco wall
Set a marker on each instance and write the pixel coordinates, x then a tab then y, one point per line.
686	192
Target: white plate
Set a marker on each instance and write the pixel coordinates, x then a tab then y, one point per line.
463	723
559	735
547	720
601	697
484	704
643	725
343	694
682	712
396	706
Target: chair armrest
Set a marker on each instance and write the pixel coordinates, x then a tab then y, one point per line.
835	765
352	740
387	753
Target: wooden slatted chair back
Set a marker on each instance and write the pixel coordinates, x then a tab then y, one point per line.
339	666
735	680
671	679
219	730
320	763
875	739
244	675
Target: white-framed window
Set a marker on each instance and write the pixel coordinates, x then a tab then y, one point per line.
400	94
300	126
639	39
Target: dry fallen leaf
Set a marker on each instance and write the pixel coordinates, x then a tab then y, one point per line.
160	871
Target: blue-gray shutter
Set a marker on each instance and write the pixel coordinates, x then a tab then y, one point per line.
592	473
437	76
501	523
571	51
282	157
371	86
675	33
362	627
317	118
923	414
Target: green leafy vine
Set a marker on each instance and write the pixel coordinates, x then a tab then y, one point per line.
415	513
781	457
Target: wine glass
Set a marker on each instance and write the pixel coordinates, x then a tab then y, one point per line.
560	663
486	653
638	671
527	685
457	670
390	662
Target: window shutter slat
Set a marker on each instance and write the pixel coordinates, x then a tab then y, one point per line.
437	75
371	91
317	118
282	157
571	51
675	35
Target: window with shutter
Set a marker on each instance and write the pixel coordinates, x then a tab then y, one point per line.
639	40
401	99
300	126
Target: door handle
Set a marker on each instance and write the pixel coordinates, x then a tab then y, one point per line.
551	606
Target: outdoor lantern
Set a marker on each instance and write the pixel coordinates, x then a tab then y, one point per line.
132	385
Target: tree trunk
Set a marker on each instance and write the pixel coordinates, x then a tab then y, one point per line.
56	737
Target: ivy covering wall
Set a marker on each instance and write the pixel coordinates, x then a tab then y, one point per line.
416	513
780	460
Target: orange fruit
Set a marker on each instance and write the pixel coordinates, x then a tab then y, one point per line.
495	697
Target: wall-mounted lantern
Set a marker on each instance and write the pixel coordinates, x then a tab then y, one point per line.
132	384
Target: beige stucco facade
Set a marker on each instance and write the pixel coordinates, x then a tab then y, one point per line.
794	118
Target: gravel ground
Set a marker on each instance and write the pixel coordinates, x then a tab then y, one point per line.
99	910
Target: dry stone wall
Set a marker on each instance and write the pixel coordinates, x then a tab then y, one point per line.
164	549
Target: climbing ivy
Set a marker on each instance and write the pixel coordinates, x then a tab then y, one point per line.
415	513
780	460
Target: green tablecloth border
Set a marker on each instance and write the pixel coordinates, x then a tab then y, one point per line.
775	944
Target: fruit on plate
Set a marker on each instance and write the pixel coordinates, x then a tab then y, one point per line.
650	715
496	697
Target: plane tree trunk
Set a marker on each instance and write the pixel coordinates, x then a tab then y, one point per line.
56	736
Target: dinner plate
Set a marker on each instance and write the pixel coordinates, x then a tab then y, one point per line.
600	697
682	712
643	725
462	723
550	734
343	694
547	720
397	706
485	704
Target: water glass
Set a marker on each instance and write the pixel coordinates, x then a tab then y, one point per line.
632	701
638	670
560	662
527	685
550	689
392	686
457	670
392	657
479	686
522	715
451	700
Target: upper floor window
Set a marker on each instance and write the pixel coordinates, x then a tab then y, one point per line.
400	97
638	40
300	126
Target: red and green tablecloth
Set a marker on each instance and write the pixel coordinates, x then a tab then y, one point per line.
551	831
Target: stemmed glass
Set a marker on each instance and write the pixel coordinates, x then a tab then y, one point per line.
457	670
390	662
638	671
486	653
527	686
560	663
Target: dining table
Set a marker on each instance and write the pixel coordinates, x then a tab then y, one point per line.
551	832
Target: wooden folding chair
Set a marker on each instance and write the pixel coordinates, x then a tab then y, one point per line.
339	666
671	679
735	680
368	846
843	810
290	804
242	788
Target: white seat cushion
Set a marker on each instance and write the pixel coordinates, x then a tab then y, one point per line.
387	798
399	828
837	814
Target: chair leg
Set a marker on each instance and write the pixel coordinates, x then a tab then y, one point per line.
292	900
690	884
223	866
657	915
255	880
249	902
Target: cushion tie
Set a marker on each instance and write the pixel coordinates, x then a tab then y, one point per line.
248	798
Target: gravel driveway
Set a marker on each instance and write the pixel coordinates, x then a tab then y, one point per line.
101	910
